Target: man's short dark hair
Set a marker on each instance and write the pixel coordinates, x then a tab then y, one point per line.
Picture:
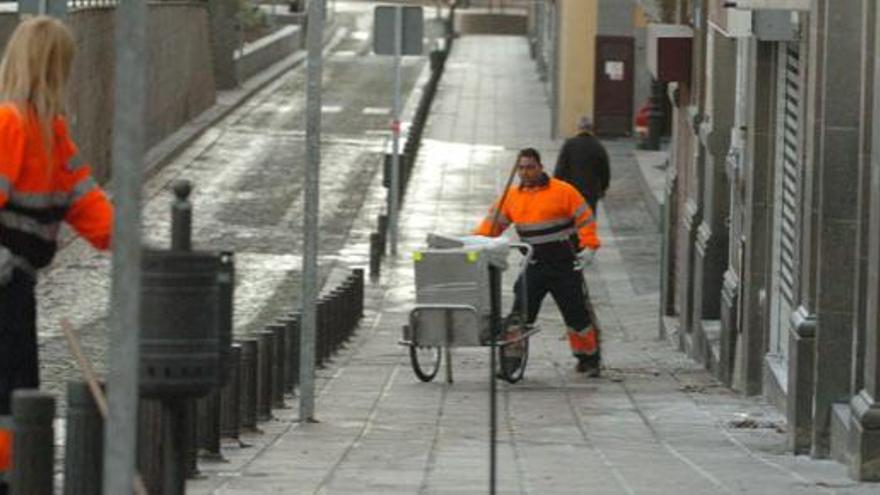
529	153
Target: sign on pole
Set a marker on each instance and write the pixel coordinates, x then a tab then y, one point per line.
397	31
383	29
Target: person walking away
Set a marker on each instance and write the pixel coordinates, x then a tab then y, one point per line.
43	181
583	163
552	217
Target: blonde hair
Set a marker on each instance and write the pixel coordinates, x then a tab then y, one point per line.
35	68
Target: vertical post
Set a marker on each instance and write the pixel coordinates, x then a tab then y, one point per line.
33	457
128	148
310	251
174	447
494	331
395	131
181	217
84	444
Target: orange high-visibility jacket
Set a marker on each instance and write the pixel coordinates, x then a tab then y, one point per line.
40	188
546	216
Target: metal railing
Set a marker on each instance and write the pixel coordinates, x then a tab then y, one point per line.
90	4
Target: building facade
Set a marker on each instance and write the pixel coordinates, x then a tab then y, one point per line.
772	219
591	57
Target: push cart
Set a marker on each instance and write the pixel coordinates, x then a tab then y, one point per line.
458	304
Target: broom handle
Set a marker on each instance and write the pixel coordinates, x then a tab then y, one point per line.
503	199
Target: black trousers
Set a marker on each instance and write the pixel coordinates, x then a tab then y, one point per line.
19	366
562	281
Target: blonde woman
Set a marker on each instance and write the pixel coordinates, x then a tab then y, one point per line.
43	182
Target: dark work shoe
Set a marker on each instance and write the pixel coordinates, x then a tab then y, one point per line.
589	367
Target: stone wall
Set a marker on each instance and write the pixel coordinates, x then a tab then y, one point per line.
266	51
180	78
477	22
180	81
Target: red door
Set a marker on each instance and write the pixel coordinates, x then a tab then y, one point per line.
613	99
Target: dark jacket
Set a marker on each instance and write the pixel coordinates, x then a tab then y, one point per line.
583	163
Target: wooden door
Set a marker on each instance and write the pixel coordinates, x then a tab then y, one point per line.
613	98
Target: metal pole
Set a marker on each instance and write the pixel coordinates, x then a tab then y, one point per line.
310	248
120	435
495	330
395	130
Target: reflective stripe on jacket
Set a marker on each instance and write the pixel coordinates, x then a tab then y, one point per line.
545	216
40	188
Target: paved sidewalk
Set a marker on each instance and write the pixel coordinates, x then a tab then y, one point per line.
655	422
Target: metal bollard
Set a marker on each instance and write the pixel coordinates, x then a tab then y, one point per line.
248	385
295	325
84	443
149	433
375	255
279	362
265	349
208	425
350	320
382	226
189	427
359	292
338	304
230	419
339	295
323	332
33	457
291	343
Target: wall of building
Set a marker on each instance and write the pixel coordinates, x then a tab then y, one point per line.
828	378
577	47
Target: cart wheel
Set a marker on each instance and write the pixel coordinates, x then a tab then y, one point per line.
425	361
512	360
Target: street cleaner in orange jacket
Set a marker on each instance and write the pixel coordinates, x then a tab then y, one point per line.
552	217
43	182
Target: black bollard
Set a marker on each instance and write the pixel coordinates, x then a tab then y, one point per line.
291	342
230	419
382	226
84	443
279	361
359	292
149	452
375	255
248	386
345	301
322	320
190	441
33	455
296	325
265	345
208	425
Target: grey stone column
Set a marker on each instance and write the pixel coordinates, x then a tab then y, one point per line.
836	171
866	117
864	441
710	257
690	217
224	40
691	158
671	218
758	203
